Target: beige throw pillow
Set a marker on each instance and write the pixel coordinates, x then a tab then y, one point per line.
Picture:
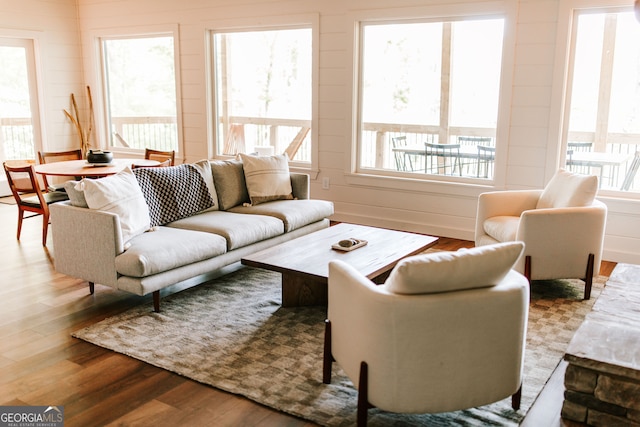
478	267
267	177
120	194
567	189
230	185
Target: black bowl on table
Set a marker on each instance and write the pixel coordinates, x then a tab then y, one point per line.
99	156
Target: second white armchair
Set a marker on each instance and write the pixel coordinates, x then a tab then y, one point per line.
562	227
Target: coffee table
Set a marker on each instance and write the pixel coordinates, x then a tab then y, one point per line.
304	262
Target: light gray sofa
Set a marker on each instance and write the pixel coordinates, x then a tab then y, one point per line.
88	243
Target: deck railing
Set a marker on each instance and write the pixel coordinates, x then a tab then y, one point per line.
293	136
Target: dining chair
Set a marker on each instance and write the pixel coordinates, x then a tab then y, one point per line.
26	191
57	156
160	156
441	157
164	164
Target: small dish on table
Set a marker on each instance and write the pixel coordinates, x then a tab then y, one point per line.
350	244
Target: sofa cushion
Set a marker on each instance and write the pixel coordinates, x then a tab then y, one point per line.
267	177
478	267
502	228
293	213
238	230
228	177
567	189
120	194
173	192
167	248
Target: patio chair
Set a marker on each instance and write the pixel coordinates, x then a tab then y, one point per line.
486	157
442	157
405	162
631	172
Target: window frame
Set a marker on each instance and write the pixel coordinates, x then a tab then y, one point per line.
100	101
32	41
284	22
568	12
438	13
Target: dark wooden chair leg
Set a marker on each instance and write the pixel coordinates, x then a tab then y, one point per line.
363	395
588	281
516	398
527	268
156	301
92	287
327	358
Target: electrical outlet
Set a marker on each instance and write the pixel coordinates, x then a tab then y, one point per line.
325	183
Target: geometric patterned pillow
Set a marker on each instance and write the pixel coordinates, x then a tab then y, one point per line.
174	192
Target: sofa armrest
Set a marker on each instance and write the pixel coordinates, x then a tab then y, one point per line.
86	243
503	203
300	185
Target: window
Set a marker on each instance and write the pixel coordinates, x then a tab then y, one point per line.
19	128
429	95
264	92
603	109
141	92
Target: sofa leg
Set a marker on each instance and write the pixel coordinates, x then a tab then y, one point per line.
516	398
327	358
92	287
156	301
363	395
588	281
527	268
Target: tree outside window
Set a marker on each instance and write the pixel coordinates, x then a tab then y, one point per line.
263	90
141	92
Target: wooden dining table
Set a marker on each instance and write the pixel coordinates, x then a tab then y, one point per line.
81	168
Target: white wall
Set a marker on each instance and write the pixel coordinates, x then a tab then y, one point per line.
440	209
53	25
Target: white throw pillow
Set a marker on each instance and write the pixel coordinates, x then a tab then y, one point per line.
120	194
567	189
478	267
267	177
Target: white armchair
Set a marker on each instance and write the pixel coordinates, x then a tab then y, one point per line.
561	226
445	332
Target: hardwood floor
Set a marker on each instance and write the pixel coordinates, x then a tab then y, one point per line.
41	364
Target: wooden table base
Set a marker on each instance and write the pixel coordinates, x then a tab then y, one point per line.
300	290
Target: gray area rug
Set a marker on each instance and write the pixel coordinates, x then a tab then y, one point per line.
232	334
